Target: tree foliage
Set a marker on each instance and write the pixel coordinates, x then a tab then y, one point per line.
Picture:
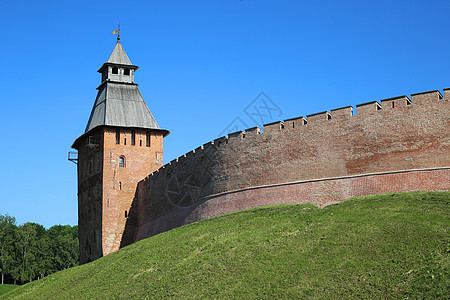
29	251
8	231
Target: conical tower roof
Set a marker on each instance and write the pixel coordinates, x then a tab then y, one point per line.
118	56
121	105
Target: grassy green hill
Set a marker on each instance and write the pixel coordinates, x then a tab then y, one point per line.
393	245
4	288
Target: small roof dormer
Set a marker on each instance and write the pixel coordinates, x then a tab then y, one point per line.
118	68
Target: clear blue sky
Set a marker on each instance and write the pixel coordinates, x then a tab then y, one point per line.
201	64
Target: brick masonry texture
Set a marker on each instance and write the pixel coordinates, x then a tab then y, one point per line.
321	192
398	145
106	190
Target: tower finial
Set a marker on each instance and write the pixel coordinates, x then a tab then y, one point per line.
117	31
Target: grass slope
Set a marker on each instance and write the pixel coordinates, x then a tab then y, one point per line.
4	288
393	245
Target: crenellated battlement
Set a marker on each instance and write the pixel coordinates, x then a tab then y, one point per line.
396	102
385	108
342	113
373	147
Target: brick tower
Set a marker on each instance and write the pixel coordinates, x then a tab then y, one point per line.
121	145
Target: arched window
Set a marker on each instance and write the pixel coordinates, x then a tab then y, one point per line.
122	162
115	70
126	72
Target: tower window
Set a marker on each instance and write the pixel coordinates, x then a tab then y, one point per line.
126	214
120	185
133	137
115	70
140	142
147	140
92	140
117	136
122	162
124	141
126	72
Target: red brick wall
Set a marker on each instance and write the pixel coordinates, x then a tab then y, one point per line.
119	183
379	138
320	192
106	191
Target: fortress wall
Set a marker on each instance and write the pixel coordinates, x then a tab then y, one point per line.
398	134
321	192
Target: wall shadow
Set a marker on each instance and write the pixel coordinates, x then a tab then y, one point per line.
131	223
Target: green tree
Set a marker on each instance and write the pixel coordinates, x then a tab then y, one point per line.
8	230
27	250
44	256
65	246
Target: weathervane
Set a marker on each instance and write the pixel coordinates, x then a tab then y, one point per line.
117	31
